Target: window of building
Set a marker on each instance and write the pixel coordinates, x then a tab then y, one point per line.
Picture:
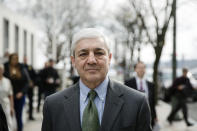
25	43
32	49
16	38
6	35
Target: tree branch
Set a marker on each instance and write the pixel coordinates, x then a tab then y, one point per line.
154	15
141	18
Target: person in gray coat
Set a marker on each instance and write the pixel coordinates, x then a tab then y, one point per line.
95	103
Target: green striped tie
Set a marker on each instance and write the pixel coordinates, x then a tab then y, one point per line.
90	120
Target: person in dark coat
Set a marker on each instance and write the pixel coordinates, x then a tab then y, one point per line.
50	78
181	87
3	121
40	83
31	77
141	84
15	72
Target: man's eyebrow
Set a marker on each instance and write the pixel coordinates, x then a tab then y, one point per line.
98	49
83	50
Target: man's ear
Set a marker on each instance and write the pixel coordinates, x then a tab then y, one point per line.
110	57
73	60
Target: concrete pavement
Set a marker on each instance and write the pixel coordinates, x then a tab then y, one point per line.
34	125
163	110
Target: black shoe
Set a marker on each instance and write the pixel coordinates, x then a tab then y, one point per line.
31	118
189	124
177	119
169	120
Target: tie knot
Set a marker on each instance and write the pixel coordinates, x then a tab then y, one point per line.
92	94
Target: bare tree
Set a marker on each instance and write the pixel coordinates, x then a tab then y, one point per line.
61	18
155	17
132	33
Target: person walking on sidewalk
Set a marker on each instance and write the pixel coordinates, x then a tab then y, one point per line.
140	83
14	71
50	78
6	98
181	86
40	83
31	77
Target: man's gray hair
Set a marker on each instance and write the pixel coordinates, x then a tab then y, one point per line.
88	33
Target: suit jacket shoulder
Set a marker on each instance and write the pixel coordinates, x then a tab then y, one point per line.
61	111
131	83
126	108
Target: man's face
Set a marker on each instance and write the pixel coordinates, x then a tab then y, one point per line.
185	73
51	64
140	70
14	60
91	60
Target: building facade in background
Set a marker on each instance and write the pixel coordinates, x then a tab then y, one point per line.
17	35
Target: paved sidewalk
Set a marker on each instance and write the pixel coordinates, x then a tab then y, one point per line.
34	125
163	110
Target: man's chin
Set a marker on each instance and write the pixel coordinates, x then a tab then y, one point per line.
93	78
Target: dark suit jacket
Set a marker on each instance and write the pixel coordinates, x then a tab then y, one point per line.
188	88
3	122
125	110
151	94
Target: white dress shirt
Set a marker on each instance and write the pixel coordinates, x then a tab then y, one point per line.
144	84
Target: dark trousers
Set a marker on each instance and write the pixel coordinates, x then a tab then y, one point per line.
3	121
40	93
30	97
181	104
18	106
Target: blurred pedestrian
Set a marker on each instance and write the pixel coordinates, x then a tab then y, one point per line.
3	122
14	71
181	87
6	97
95	103
40	82
140	83
51	79
31	77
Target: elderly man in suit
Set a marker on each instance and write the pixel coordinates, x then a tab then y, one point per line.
95	103
138	82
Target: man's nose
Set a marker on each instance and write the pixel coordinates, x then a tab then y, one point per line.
91	58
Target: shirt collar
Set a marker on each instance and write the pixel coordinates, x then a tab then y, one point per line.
101	90
140	79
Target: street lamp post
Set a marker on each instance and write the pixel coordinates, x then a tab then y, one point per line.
174	62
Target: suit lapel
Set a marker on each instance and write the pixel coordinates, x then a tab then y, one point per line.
72	109
150	93
113	106
135	83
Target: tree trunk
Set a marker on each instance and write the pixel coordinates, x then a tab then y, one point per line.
71	67
158	51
